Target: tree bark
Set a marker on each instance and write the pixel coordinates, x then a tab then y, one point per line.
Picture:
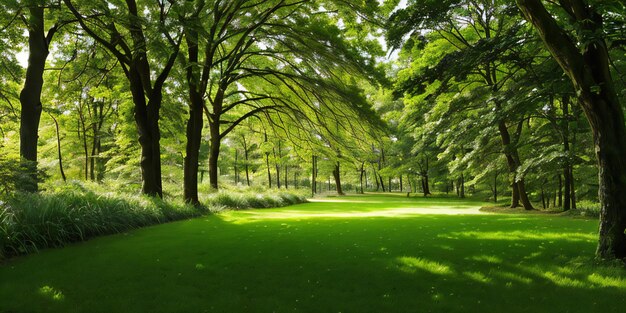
462	192
30	96
495	187
567	164
337	176
195	122
510	152
590	74
313	175
59	155
361	177
245	155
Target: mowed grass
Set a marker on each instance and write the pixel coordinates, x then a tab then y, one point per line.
374	253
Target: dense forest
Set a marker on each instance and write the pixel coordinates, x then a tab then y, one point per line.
516	102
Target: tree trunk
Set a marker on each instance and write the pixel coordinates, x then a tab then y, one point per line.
245	155
462	195
286	178
560	192
510	152
30	96
361	177
495	188
214	153
277	165
192	148
56	125
337	176
236	167
83	130
566	150
591	77
313	176
382	183
269	173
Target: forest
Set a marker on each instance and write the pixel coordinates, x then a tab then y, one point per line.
120	114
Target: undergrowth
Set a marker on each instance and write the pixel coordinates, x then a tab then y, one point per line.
77	211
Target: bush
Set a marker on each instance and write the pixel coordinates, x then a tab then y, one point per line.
29	222
78	211
251	198
588	208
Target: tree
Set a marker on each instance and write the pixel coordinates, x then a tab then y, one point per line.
146	60
255	61
584	57
481	41
39	40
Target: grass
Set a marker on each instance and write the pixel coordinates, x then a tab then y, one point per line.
370	253
79	211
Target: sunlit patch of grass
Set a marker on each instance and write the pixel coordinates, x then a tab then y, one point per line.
487	258
51	293
478	276
564	281
605	281
412	264
520	235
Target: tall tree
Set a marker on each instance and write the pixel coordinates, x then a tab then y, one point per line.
480	40
584	57
260	57
146	59
39	40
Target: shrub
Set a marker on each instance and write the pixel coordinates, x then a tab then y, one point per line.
81	210
588	208
29	222
251	198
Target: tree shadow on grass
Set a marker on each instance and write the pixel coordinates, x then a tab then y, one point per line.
425	263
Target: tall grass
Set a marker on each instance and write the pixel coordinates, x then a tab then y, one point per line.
29	222
252	198
79	211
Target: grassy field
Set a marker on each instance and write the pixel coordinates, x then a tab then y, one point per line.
375	253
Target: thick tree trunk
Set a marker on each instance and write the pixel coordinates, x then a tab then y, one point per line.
146	114
512	160
194	137
337	176
30	96
591	77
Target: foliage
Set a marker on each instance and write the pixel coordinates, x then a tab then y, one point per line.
79	211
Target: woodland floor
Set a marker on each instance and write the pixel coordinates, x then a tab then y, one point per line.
373	253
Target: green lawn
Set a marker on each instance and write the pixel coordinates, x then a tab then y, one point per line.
364	254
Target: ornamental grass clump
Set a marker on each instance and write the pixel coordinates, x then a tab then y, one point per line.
29	222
